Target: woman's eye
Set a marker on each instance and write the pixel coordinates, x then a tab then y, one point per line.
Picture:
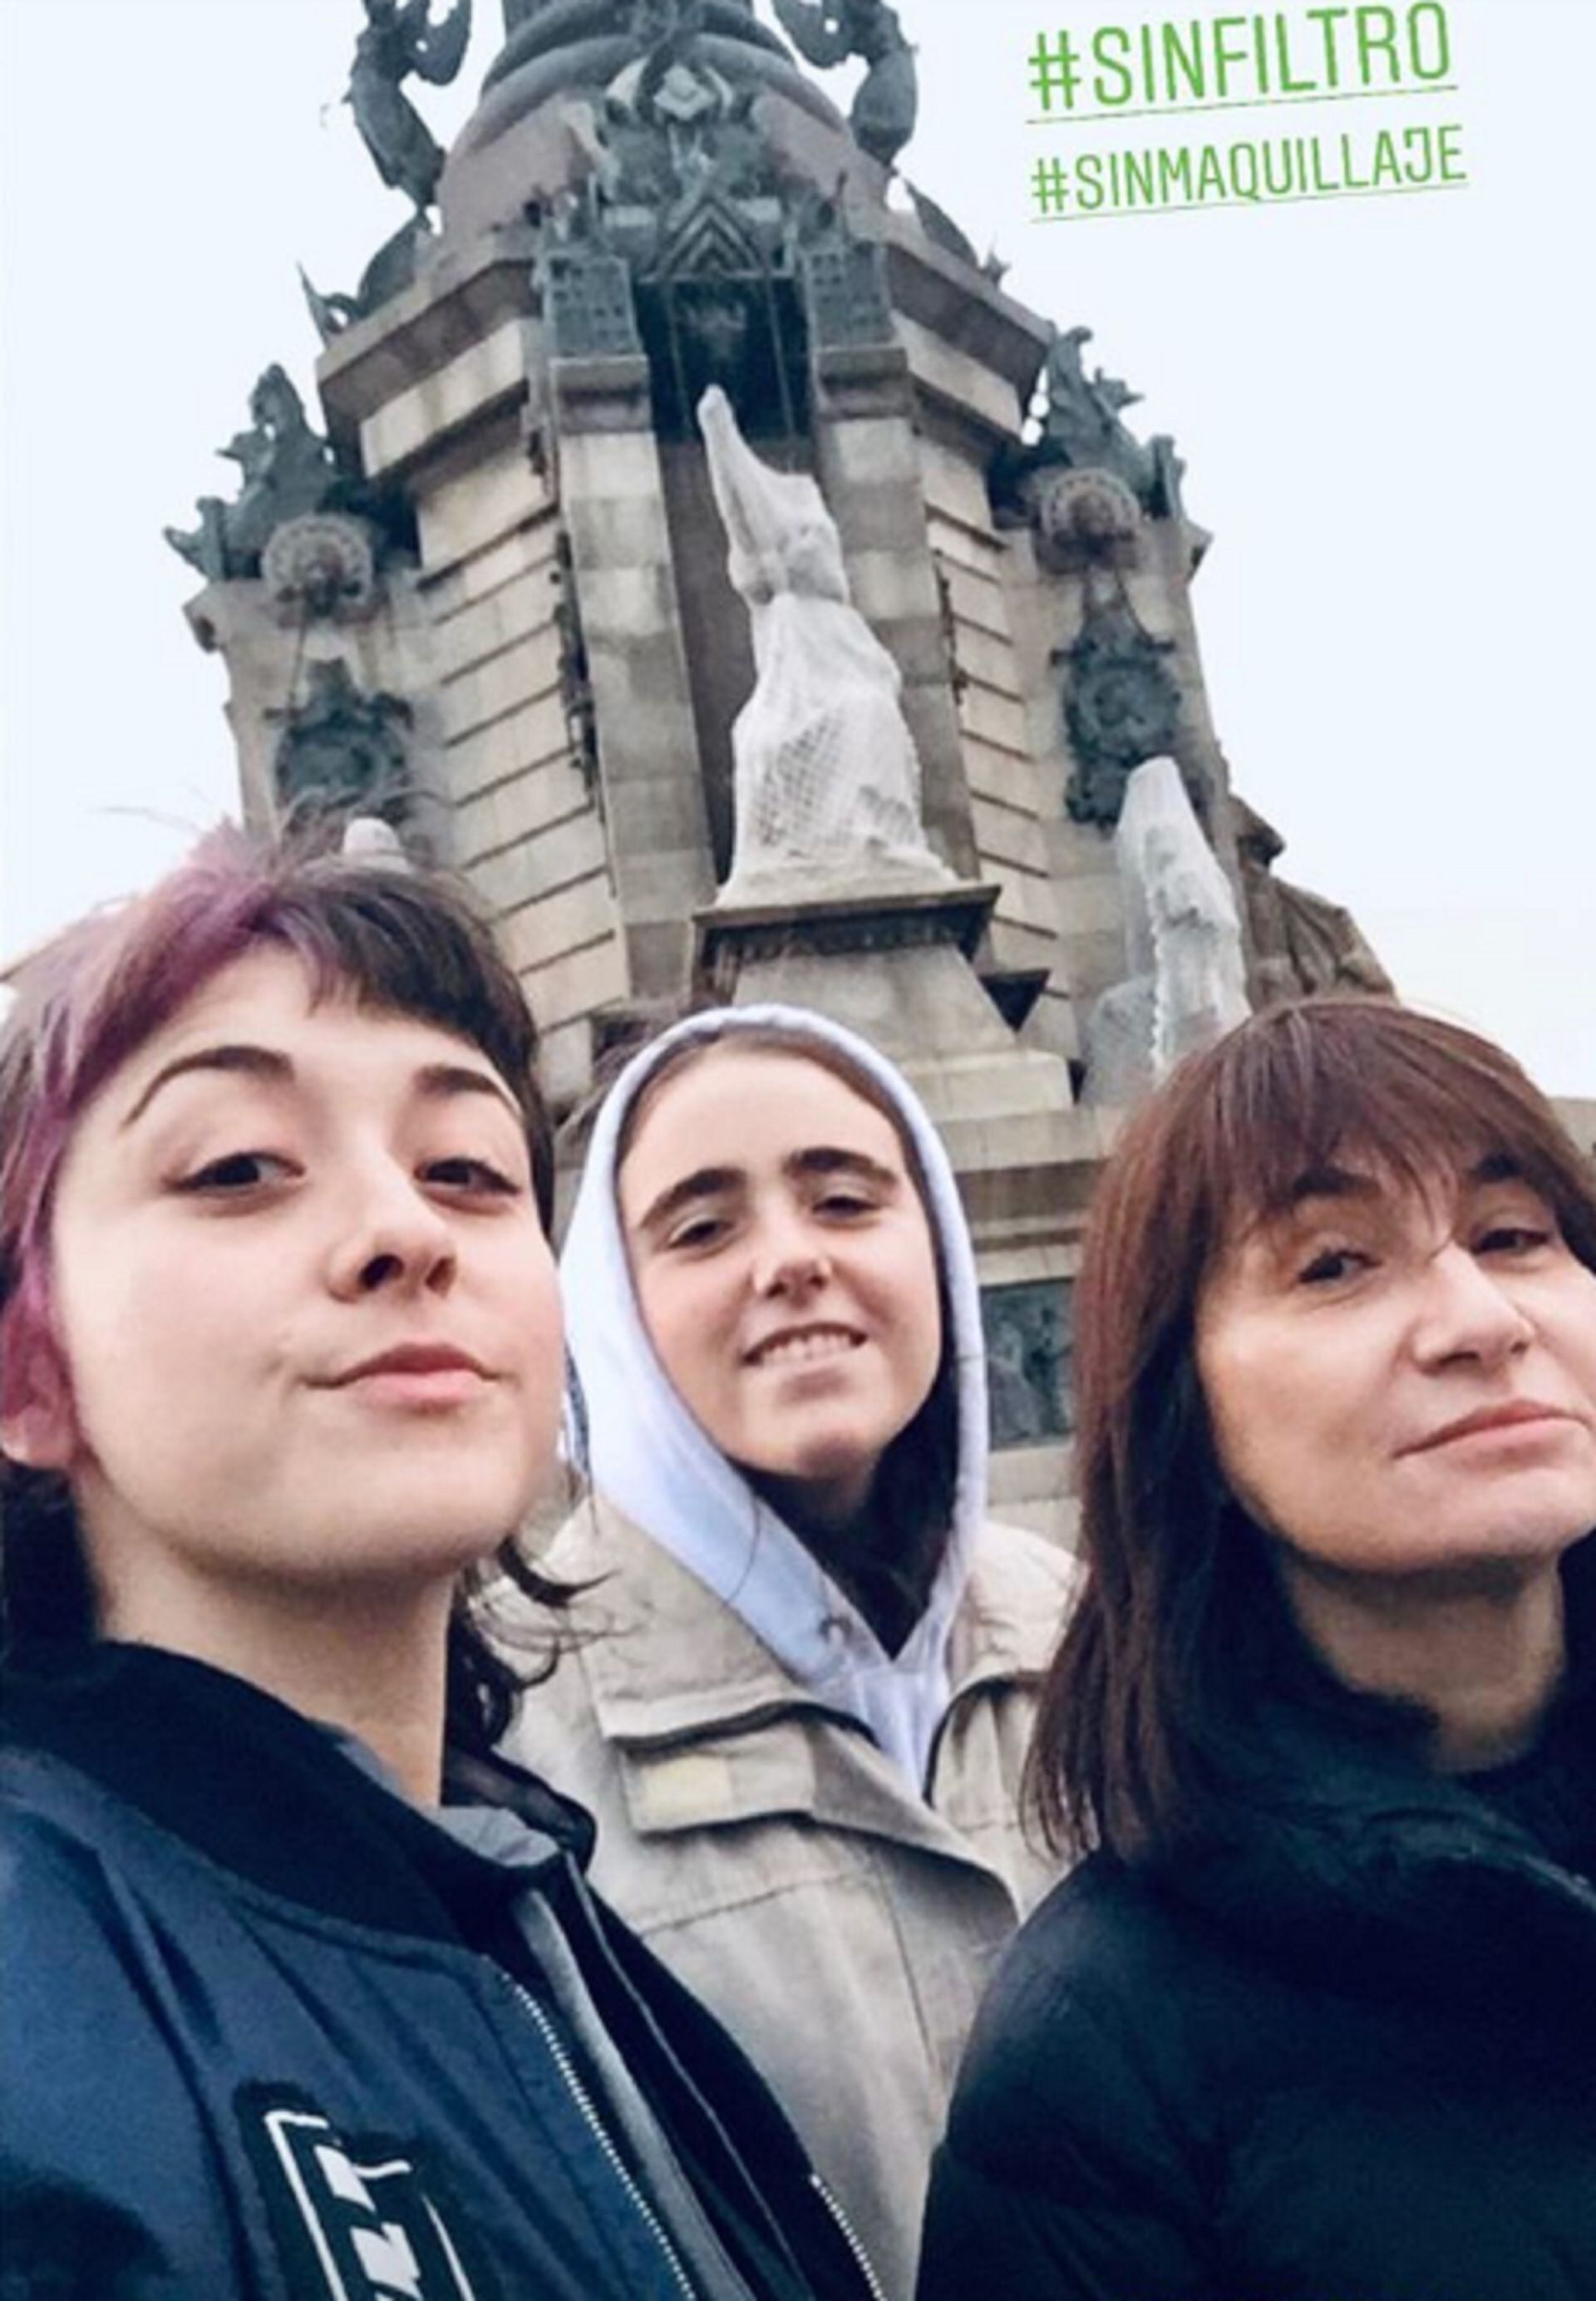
472	1174
1332	1263
702	1230
1514	1238
845	1203
238	1172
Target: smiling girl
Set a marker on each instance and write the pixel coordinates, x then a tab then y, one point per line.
1318	2016
805	1671
305	1994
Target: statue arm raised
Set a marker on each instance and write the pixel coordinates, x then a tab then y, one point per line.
819	38
437	51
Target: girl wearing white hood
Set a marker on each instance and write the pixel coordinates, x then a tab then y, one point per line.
801	1706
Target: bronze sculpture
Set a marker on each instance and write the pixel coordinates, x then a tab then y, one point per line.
827	32
400	39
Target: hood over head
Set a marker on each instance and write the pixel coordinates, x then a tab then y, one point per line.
646	1454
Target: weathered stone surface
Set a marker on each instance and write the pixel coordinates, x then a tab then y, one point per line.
499	617
553	925
578	983
528	550
484	378
1009	834
564	1053
993	718
462	514
489	689
955	487
533	735
975	594
947	373
523	804
537	867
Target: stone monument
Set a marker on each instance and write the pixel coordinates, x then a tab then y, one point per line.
483	594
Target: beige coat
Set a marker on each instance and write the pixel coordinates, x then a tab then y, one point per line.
841	1926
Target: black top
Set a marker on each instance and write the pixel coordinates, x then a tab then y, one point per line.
1344	2050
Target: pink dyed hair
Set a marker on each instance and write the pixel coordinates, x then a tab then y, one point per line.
394	941
90	998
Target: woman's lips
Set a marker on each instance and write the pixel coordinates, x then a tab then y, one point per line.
1526	1417
430	1375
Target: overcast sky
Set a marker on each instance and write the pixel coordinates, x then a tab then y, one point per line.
1383	406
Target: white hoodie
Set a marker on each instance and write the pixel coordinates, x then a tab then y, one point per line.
646	1454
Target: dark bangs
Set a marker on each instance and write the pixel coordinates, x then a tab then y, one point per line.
1329	1081
404	946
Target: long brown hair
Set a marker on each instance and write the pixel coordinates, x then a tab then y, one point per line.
1137	1734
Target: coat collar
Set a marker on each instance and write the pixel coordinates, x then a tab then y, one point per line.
686	1694
268	1794
1346	1859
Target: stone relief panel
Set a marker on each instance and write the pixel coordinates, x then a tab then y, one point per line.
1030	1340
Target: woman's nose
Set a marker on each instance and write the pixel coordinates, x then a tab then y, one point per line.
788	1255
392	1236
1468	1313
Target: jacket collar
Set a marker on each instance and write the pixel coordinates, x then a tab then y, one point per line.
1344	1858
268	1795
685	1692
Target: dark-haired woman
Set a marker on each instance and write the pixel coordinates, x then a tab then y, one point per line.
1316	2021
805	1675
304	1993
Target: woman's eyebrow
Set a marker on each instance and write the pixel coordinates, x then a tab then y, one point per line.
824	1159
432	1082
438	1081
703	1183
267	1063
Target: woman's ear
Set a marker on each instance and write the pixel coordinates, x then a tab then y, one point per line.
40	1431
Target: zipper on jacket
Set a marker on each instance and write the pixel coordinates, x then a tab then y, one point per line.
600	2132
849	2236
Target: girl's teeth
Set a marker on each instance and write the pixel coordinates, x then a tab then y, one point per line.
807	1346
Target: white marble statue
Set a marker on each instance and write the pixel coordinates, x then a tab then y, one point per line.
826	775
1187	980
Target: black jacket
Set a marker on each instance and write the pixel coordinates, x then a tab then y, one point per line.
1344	2052
268	2032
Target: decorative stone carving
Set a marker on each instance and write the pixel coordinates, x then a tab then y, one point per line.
941	231
1085	519
321	568
398	40
1082	426
1082	429
588	303
394	267
1030	1341
342	751
672	243
1122	705
844	290
827	32
1300	942
576	683
288	470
